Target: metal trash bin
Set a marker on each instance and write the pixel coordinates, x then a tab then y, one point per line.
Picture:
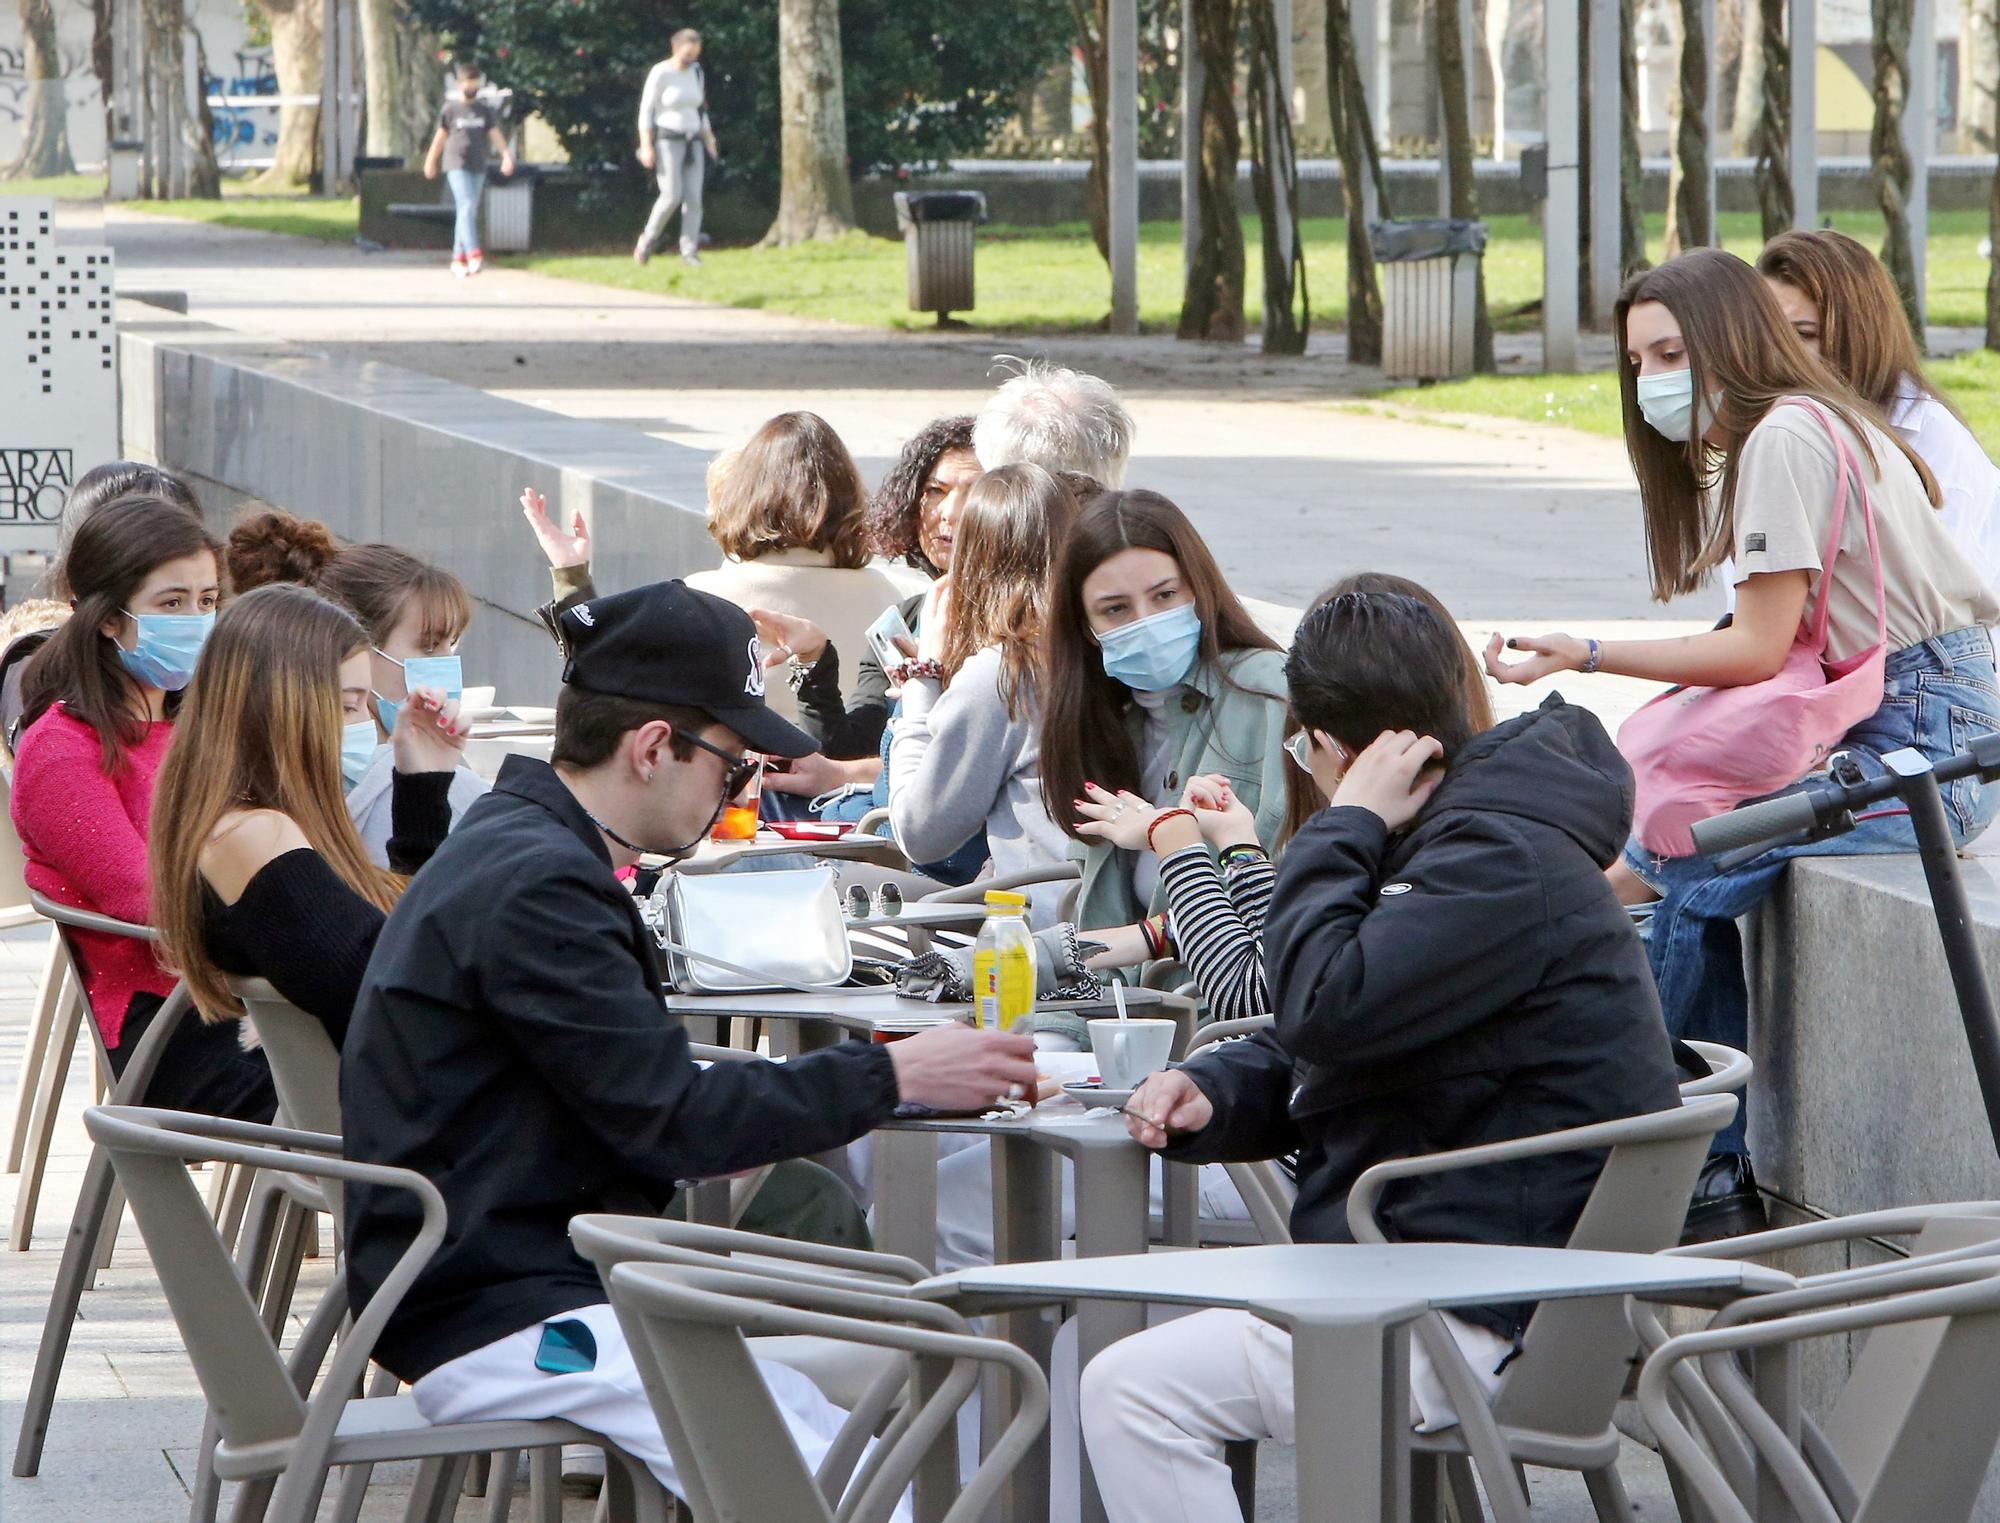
510	213
1430	286
937	228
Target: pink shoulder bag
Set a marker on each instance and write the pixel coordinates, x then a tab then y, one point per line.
1697	752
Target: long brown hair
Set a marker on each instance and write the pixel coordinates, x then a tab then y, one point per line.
261	730
793	486
1014	518
377	583
1740	349
1864	333
1084	737
115	550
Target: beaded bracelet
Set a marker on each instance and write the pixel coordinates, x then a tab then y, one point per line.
1160	819
909	670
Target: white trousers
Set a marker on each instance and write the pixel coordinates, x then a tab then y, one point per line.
500	1380
1158	1407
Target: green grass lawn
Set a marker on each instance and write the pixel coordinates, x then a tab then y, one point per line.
62	187
1050	279
1590	402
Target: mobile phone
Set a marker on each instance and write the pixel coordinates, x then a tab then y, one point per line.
892	639
567	1348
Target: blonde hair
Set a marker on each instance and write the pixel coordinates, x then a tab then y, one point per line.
260	730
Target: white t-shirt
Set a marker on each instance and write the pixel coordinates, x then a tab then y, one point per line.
1968	481
1785	480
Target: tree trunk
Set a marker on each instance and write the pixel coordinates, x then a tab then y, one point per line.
1091	24
1993	215
297	55
1979	88
401	81
1455	132
815	197
1772	140
1354	142
1889	154
1631	172
1693	202
1746	117
180	155
44	113
1212	306
1274	176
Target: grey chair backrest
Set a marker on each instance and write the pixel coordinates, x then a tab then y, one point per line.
1728	1071
687	1328
1936	1435
242	1374
13	861
1576	1353
1268	1192
305	1065
145	1057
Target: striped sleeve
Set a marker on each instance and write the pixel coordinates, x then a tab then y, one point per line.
1215	940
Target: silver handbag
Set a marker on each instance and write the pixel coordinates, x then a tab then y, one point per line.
743	933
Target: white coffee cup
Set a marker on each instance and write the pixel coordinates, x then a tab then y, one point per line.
1127	1051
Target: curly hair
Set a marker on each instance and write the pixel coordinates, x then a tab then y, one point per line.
273	546
898	508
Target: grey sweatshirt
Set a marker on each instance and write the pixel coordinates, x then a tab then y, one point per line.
957	762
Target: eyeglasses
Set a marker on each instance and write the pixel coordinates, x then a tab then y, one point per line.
1299	746
741	768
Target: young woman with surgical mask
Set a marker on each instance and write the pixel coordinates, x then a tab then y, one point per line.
100	700
1156	675
257	870
1731	469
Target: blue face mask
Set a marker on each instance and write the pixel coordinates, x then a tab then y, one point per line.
443	673
357	750
166	648
1153	654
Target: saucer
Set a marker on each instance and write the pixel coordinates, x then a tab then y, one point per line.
1094	1094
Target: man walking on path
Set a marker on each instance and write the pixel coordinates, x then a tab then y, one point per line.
468	133
674	134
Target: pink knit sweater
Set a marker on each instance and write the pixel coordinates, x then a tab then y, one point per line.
84	836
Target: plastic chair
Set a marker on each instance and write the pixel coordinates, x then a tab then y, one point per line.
276	1439
305	1071
687	1328
866	1387
1728	1071
97	1204
1915	1426
1267	1191
1939	1235
1554	1405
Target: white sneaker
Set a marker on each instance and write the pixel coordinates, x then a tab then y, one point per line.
458	265
475	262
641	253
693	261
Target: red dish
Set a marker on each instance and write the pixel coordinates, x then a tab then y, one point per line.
810	830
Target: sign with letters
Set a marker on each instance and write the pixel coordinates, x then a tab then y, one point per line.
58	370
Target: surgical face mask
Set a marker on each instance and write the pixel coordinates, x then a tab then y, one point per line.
166	647
1666	401
443	673
357	750
1153	654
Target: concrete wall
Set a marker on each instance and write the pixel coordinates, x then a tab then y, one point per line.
1864	1093
378	452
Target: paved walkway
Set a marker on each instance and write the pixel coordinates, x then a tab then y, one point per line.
1290	483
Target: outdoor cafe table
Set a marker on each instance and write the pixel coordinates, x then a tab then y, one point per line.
1348	1308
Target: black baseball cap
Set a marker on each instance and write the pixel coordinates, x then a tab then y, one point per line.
668	643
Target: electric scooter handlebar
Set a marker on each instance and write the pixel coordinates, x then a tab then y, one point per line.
1821	802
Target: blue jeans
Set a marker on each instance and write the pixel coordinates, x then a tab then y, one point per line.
1936	697
466	186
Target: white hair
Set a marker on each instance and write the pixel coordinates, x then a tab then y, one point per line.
1057	418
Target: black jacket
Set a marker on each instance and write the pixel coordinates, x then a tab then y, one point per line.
1470	980
511	1044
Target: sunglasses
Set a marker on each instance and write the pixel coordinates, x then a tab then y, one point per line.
741	768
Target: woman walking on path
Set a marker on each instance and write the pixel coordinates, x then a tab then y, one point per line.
674	132
468	134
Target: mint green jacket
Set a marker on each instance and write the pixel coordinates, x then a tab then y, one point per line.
1235	727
